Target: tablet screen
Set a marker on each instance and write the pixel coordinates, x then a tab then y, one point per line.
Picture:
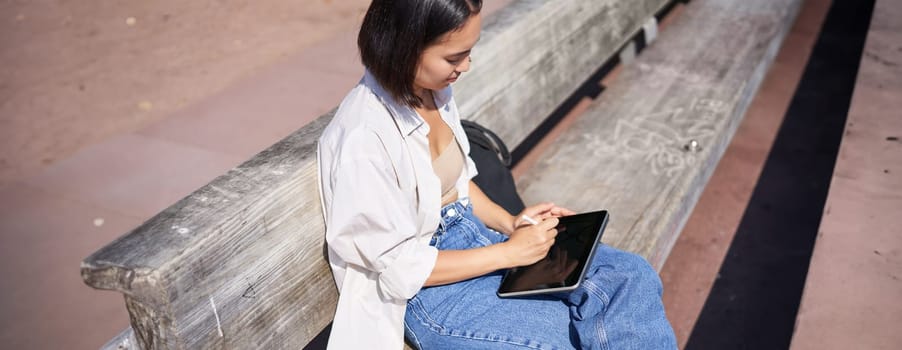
565	264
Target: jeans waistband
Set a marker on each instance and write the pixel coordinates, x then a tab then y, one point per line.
453	212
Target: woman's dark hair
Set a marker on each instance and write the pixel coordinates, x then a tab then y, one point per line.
395	33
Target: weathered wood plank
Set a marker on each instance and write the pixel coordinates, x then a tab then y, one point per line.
536	53
223	266
626	153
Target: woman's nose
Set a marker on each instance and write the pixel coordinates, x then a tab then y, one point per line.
465	66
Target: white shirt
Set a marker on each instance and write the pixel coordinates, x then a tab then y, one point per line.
381	204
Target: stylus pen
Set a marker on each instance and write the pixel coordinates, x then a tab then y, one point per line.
528	219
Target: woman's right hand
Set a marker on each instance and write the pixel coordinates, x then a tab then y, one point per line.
529	244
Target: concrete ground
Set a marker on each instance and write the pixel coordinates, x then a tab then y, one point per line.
855	280
111	112
75	74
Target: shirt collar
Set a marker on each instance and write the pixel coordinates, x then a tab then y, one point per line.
443	97
407	118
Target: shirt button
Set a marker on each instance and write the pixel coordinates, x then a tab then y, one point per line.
451	212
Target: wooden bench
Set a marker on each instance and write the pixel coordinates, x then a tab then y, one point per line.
239	263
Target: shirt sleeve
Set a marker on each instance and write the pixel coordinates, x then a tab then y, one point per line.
371	222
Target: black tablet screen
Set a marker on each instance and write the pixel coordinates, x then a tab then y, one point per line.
566	261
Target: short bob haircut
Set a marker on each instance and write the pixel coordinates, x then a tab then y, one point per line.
395	33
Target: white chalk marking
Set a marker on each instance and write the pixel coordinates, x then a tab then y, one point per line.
216	314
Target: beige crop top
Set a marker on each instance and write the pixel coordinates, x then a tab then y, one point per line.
448	166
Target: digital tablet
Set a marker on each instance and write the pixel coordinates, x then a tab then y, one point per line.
565	265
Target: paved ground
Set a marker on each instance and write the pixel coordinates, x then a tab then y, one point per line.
851	298
75	74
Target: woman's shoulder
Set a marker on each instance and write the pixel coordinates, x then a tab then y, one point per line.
359	106
358	115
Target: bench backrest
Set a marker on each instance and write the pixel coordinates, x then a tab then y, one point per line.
631	151
239	263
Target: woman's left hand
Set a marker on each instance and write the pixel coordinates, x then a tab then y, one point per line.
540	212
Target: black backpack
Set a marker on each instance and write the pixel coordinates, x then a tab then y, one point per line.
493	162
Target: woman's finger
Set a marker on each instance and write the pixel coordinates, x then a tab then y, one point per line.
560	211
538	209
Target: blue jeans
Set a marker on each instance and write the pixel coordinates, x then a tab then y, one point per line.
618	306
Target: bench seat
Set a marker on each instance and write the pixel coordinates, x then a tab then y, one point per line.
239	263
630	152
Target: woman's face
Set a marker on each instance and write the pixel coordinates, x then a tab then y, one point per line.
444	61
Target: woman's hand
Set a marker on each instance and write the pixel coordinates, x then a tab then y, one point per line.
539	212
530	243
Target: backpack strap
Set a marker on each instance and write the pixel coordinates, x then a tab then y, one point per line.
487	139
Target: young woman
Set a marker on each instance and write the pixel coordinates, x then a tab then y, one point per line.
416	248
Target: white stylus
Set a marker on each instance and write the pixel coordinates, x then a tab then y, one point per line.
528	219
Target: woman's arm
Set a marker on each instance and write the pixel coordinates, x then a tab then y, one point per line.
527	243
526	246
457	265
492	214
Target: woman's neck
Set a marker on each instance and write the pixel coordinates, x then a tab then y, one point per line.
425	95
